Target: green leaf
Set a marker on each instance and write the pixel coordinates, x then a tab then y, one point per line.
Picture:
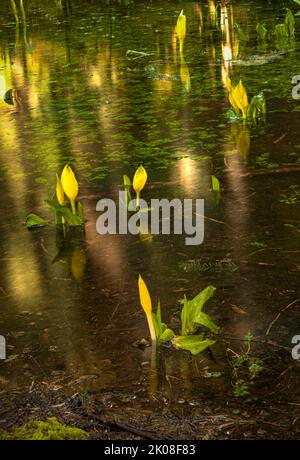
282	32
70	218
205	320
297	1
162	332
241	35
290	23
215	184
8	97
166	336
192	309
261	32
232	116
257	107
127	181
194	343
33	220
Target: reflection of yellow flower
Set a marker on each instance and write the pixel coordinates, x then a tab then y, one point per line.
139	181
59	191
70	185
146	304
78	263
181	29
185	75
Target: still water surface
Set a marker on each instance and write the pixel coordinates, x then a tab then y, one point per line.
69	307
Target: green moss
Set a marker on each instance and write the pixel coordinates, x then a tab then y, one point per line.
44	431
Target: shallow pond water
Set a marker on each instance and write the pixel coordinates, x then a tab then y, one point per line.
69	306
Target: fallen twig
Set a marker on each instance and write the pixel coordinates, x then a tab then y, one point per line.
279	314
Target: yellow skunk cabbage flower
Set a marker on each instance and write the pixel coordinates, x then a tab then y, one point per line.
146	304
181	29
139	181
70	185
59	191
240	98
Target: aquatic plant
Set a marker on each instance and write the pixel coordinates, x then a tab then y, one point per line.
261	32
33	220
146	304
65	185
241	108
51	430
216	187
244	368
285	32
70	186
192	316
162	331
139	181
15	10
195	344
127	186
181	30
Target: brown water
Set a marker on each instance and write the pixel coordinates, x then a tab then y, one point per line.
69	307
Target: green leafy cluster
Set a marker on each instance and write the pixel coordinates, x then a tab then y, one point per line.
163	333
256	110
65	212
192	317
284	32
52	430
244	368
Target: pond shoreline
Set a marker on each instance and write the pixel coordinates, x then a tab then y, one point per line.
97	415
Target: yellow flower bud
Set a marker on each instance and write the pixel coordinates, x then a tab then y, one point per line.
146	304
59	191
70	185
181	26
139	179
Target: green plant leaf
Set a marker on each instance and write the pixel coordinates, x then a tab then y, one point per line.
127	181
290	23
241	35
282	32
215	184
205	320
232	116
192	308
257	107
261	32
162	332
70	218
166	336
193	343
8	97
33	220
